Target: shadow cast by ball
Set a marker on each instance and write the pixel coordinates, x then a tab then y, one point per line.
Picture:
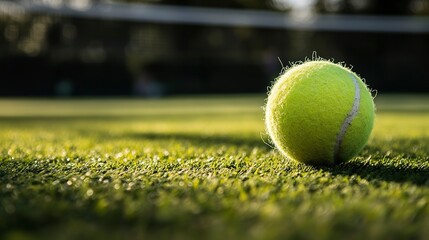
381	172
396	160
198	139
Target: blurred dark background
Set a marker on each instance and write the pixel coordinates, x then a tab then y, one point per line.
64	48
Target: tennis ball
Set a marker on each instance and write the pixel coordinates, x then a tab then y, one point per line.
319	113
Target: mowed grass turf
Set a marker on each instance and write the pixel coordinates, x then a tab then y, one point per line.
198	168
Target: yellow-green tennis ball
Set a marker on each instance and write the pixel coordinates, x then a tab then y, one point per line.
319	113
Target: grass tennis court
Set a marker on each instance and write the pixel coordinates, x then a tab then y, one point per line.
198	168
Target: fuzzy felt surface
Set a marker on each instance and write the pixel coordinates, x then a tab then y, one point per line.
307	107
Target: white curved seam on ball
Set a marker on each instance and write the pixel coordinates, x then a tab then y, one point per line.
349	118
